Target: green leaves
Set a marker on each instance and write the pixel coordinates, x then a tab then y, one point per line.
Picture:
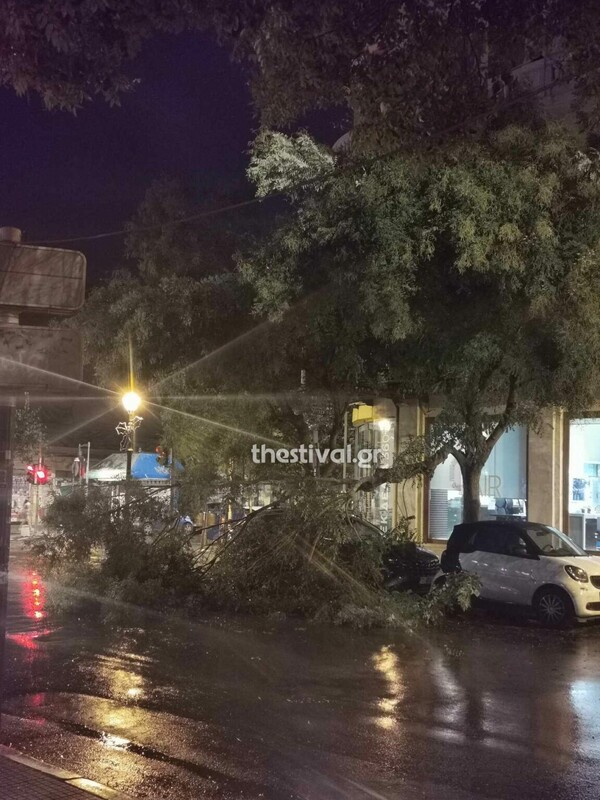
67	52
29	433
408	72
160	317
281	163
403	71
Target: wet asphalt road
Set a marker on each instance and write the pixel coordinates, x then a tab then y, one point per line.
490	707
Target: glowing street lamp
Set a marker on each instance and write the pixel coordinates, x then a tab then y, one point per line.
131	402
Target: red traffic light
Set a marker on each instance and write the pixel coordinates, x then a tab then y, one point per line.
37	474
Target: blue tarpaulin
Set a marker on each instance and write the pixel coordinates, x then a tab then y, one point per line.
144	467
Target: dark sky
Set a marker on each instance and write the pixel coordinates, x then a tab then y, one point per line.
64	175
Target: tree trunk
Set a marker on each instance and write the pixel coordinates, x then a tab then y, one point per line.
471	476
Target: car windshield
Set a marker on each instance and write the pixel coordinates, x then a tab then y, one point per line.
552	542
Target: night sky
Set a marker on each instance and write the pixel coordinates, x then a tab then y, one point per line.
65	175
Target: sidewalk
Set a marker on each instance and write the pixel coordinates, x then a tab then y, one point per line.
24	778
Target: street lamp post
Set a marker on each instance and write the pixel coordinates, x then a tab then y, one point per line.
131	403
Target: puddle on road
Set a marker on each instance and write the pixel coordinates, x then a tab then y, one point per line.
284	688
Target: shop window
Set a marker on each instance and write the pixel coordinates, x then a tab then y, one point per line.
584	482
502	489
376	506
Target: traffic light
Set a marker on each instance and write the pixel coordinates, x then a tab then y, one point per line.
37	474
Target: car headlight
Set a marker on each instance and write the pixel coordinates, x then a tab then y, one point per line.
576	573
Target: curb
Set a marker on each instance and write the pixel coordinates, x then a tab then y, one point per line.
67	777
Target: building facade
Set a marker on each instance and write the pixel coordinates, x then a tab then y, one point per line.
549	475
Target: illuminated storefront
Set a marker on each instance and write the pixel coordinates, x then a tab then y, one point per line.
503	486
375	430
550	474
584	481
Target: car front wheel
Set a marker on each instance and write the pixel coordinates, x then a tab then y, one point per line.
554	608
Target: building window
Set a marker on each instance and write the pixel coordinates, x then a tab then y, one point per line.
584	482
502	489
379	434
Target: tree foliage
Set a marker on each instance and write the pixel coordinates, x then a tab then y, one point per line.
310	556
299	559
179	300
172	320
475	270
132	552
279	162
29	434
406	69
69	51
160	242
315	561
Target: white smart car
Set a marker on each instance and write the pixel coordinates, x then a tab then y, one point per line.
527	564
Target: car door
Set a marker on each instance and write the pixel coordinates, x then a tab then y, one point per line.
517	568
480	556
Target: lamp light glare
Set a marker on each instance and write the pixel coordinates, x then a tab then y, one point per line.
131	402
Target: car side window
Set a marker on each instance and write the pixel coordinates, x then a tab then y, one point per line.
501	541
513	544
468	545
487	540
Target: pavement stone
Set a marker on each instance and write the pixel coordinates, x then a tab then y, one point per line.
22	778
18	782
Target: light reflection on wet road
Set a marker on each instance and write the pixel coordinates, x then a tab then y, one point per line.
250	708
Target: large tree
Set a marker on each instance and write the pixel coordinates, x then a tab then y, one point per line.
476	270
